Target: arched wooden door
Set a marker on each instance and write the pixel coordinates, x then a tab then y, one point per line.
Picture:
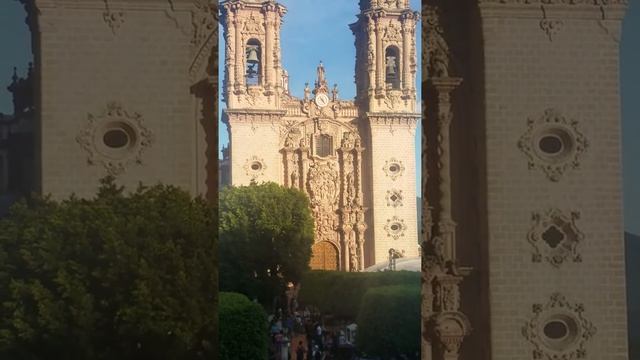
324	256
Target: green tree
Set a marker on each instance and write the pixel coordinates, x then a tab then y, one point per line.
319	289
243	328
266	233
389	321
115	277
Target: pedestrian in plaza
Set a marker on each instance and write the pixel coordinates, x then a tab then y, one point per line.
300	351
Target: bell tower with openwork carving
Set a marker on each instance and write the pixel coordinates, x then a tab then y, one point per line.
385	35
253	70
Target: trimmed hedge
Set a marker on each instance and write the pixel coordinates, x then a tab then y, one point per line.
341	293
243	328
389	321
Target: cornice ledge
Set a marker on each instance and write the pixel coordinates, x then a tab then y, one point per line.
567	9
255	112
161	5
409	119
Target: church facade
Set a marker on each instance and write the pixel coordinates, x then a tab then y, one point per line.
355	158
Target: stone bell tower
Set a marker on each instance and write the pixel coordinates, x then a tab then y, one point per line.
386	94
253	86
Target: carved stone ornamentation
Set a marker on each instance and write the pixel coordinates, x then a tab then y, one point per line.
553	144
114	19
551	27
393	168
323	186
555	237
394	198
392	34
115	138
558	330
436	54
395	227
255	167
204	22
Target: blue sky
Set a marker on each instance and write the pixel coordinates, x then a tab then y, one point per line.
310	34
328	30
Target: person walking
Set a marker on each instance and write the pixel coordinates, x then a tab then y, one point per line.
300	351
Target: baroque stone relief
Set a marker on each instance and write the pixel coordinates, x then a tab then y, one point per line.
395	227
393	168
114	19
436	54
553	144
551	27
115	138
323	188
204	22
254	167
394	198
555	237
558	330
331	179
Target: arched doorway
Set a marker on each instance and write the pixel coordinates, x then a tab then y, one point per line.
324	256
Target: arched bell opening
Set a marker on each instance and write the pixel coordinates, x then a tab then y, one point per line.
392	67
253	64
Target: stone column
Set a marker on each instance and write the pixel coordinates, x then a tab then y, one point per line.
379	56
371	55
446	226
268	65
288	161
240	51
304	160
406	50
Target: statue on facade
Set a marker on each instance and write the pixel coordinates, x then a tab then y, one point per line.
353	256
307	92
334	92
321	73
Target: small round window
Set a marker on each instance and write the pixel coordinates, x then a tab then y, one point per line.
116	138
560	331
550	144
556	330
554	143
256	166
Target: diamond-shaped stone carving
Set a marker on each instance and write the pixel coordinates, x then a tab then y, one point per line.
555	237
394	198
553	144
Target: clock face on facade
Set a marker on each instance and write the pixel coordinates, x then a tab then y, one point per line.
322	100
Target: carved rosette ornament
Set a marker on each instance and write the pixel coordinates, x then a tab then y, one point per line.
555	237
254	167
115	138
395	227
558	330
393	168
553	144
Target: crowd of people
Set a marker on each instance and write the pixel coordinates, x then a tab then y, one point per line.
301	335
